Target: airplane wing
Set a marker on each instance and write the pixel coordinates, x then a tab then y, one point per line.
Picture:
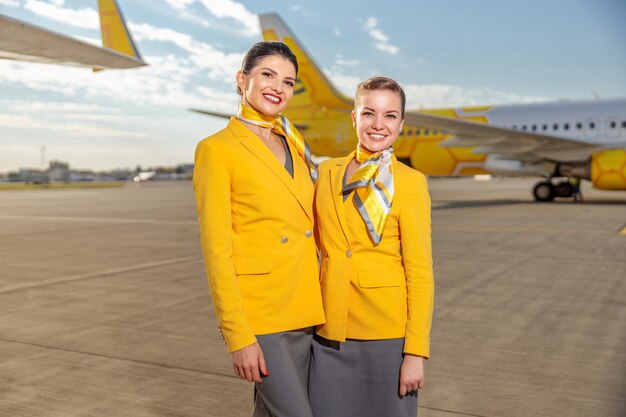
24	42
505	142
299	126
212	113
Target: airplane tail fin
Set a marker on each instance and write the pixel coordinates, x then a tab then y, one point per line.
312	87
115	33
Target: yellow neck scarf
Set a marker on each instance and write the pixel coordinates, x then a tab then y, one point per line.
281	126
373	189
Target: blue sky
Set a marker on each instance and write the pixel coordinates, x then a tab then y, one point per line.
444	52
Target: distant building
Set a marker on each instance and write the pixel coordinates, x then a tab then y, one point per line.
31	175
184	171
59	171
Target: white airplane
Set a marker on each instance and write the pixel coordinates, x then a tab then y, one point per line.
562	142
24	42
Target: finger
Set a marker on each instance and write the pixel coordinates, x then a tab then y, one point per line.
235	370
403	388
256	375
421	384
248	373
262	365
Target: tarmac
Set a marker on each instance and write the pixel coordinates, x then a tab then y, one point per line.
105	310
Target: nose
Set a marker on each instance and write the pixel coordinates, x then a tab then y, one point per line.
277	86
378	123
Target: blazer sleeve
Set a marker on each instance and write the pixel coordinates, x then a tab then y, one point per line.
212	185
415	235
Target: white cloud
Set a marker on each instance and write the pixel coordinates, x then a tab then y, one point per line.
436	95
220	9
341	62
234	10
53	106
297	8
381	40
10	3
79	129
194	18
221	66
167	82
344	82
180	4
83	18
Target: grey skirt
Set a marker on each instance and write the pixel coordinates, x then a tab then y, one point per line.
284	392
358	378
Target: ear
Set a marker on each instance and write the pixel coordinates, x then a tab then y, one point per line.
402	124
353	119
241	81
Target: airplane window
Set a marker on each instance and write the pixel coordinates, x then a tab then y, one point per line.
426	132
566	126
592	125
523	127
613	124
624	124
534	128
544	127
579	125
514	127
402	133
555	126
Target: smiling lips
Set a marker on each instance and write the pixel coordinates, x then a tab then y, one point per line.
272	98
376	136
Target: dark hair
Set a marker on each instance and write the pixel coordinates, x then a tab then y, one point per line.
380	83
262	49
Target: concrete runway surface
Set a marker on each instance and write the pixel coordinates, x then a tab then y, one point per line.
105	310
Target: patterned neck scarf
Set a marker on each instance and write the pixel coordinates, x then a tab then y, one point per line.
372	184
281	126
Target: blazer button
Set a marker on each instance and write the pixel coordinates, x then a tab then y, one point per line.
348	253
308	233
284	239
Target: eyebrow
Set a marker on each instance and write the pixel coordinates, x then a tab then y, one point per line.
275	73
387	112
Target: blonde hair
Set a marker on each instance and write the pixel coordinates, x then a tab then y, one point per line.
380	83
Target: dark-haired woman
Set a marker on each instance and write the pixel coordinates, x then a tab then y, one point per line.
373	222
254	194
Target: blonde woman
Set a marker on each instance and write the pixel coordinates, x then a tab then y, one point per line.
373	225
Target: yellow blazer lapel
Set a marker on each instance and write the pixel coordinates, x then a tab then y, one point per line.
256	146
336	178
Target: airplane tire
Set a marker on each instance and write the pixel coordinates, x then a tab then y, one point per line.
564	189
544	191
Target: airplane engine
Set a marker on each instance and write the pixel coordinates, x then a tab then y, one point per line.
608	170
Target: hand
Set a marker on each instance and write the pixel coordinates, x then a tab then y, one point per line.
411	374
248	362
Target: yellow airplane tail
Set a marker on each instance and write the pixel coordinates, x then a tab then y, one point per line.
115	34
312	87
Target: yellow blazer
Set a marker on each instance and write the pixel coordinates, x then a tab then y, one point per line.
376	292
256	227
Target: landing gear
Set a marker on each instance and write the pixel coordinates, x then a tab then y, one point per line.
564	189
547	191
544	191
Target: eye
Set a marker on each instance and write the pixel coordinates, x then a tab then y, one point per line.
392	116
367	113
267	74
290	83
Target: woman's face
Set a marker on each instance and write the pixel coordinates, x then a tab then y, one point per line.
378	120
268	86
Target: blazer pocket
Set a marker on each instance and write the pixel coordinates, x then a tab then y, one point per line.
254	265
376	279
